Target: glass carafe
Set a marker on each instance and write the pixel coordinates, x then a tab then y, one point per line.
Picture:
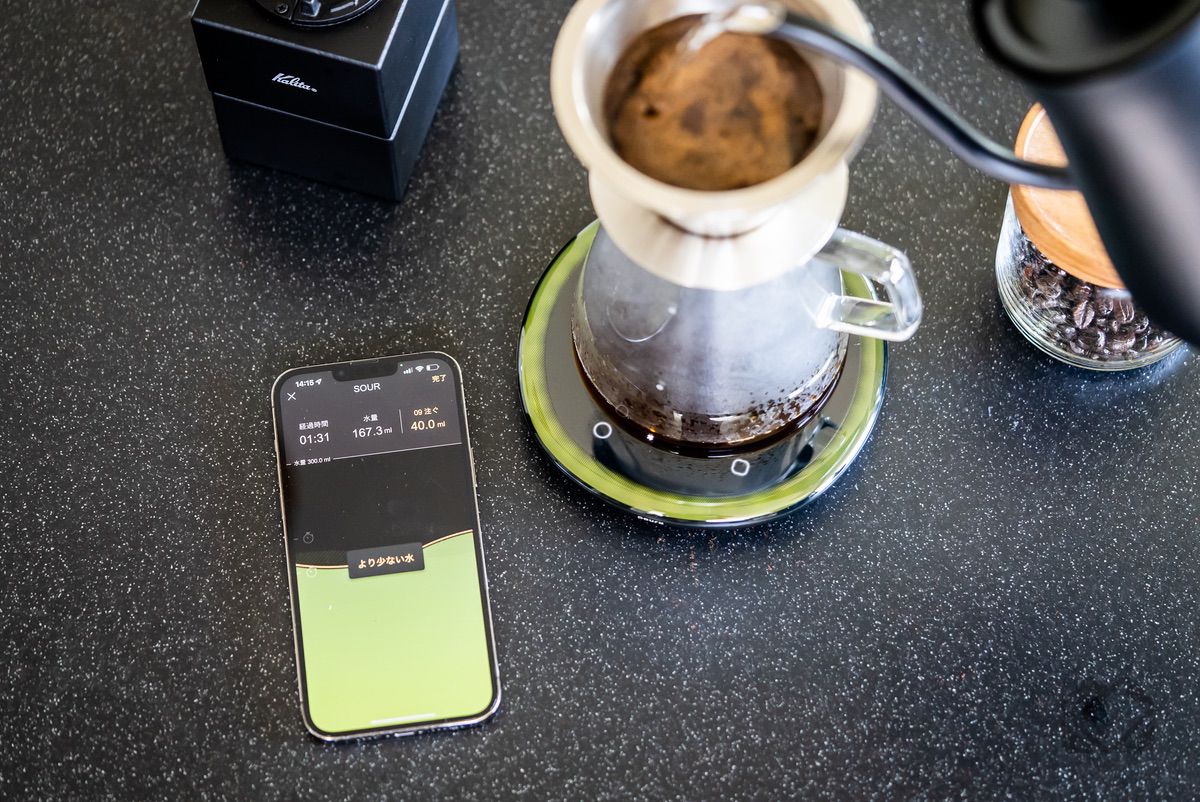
722	368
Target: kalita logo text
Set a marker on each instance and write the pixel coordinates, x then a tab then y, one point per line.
292	80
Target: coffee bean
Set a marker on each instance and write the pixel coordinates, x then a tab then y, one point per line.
1047	284
1068	333
1081	292
1092	339
1104	305
1083	314
1120	343
1123	310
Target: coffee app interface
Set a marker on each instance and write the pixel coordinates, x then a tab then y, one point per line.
381	523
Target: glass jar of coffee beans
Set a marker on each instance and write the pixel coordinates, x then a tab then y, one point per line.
1055	278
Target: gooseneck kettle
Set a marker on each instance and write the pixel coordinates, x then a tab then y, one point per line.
1120	80
1121	83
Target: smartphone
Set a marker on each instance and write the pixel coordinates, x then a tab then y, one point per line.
384	555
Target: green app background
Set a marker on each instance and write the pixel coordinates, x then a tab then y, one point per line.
396	649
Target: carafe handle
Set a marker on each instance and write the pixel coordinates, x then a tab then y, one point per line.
894	318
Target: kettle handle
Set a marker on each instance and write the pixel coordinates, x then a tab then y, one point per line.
897	316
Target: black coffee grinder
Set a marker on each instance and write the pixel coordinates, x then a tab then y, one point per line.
341	91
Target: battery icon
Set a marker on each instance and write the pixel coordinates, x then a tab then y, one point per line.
433	367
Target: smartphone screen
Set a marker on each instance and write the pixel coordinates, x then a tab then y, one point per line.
385	560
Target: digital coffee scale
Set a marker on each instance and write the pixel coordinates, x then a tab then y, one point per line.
713	489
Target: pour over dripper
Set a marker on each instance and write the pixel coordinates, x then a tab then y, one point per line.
699	238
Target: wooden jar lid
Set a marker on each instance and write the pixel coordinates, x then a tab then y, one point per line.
1058	223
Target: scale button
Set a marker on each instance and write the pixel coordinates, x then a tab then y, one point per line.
739	467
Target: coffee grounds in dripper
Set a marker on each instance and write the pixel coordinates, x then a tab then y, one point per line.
738	111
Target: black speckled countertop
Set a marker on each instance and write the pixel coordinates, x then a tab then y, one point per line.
998	600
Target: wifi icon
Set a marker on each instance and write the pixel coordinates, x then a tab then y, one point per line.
420	368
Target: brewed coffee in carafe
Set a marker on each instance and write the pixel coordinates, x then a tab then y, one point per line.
700	367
